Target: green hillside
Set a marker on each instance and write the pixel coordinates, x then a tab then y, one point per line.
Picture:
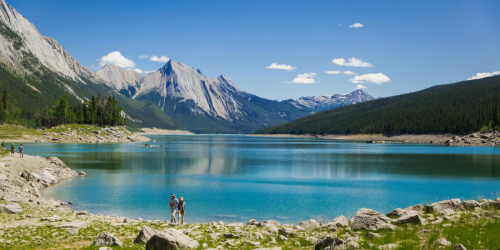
457	108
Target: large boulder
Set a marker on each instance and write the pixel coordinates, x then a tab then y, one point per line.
287	232
171	239
107	239
371	220
443	207
144	235
11	208
48	177
310	224
252	222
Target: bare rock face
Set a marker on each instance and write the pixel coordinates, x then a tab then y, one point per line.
107	239
171	239
371	220
144	235
124	81
11	208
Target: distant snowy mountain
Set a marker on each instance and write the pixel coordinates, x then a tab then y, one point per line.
320	103
199	103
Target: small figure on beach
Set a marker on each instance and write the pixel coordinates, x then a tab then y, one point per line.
182	210
174	204
12	149
21	149
3	144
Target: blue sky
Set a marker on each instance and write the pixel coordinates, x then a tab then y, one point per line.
410	45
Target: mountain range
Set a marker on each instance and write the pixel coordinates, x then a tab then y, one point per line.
37	69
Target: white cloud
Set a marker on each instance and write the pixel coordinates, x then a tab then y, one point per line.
143	56
160	59
333	72
377	78
136	70
360	86
356	25
349	73
306	78
483	75
281	66
117	59
353	62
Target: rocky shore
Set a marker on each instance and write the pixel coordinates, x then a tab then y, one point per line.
87	134
29	221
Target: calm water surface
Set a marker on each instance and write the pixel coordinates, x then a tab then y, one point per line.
237	178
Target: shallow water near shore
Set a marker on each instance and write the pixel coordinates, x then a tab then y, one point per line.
235	178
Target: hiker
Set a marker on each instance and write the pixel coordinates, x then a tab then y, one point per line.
12	149
182	210
21	149
174	203
3	144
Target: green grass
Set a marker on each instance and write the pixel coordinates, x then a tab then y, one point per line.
12	132
3	152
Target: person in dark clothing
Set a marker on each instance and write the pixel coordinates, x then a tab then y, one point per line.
12	149
182	210
21	149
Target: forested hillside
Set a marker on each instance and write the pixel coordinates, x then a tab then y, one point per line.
457	108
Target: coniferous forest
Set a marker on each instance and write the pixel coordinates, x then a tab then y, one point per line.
457	108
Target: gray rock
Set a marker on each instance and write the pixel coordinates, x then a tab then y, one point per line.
371	220
396	213
310	224
442	242
231	236
269	222
459	247
144	235
327	243
252	222
10	208
470	204
443	207
340	221
388	246
287	232
258	236
171	239
410	219
107	239
215	236
283	238
371	235
74	225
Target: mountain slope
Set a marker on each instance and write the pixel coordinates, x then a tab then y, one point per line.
207	105
457	108
37	69
124	81
320	103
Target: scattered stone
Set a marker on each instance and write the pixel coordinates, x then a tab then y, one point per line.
371	235
410	219
327	242
231	236
287	232
252	222
459	247
107	239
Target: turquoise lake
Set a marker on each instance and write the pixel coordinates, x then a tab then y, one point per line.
237	178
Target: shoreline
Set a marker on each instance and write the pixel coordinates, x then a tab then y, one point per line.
22	179
474	139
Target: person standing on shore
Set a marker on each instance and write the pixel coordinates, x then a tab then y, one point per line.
182	210
21	149
174	204
3	144
12	149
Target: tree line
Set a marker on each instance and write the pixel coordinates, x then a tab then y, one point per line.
97	111
9	112
457	108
